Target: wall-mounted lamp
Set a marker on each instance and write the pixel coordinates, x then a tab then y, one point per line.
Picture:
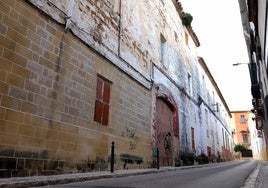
236	64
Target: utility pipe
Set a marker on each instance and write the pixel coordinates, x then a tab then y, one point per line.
69	14
245	23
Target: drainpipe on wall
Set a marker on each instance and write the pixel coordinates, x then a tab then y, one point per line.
245	23
69	15
119	27
265	55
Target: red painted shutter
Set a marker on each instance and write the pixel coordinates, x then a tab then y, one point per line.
98	111
105	114
101	113
99	92
106	93
193	140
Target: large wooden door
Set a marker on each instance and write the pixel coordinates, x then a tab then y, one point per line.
164	119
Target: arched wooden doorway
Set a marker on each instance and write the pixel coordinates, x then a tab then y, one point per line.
164	132
165	127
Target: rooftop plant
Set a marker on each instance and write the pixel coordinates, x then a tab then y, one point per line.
187	19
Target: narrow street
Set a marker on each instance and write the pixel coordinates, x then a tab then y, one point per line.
231	175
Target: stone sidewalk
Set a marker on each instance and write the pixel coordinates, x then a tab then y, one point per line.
262	178
257	179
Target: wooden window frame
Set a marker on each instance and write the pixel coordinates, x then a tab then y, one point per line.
242	118
102	100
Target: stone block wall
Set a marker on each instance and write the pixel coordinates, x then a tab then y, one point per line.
47	96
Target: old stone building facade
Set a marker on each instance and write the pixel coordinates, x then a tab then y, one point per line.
77	75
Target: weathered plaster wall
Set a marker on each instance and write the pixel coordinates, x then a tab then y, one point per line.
215	117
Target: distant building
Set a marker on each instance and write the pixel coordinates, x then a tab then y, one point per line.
77	75
240	129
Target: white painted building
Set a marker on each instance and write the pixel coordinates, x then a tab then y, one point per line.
257	138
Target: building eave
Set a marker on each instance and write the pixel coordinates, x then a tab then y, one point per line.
181	13
205	68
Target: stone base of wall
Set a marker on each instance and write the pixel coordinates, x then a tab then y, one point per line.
16	164
23	164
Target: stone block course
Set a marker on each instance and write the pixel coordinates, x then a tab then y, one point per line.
33	36
36	49
3	75
15	80
4	87
9	127
53	145
27	22
3	29
41	33
2	113
12	115
7	43
5	65
14	14
4	8
14	57
20	71
18	93
18	36
32	87
36	142
25	52
28	11
10	102
27	130
10	140
28	107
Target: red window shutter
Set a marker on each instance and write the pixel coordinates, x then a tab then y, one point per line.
105	114
103	90
193	140
106	93
98	111
99	88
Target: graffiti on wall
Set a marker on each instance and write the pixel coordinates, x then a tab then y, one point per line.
130	133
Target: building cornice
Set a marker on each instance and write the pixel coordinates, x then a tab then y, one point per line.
205	68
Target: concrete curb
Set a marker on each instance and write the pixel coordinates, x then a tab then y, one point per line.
251	180
69	178
35	181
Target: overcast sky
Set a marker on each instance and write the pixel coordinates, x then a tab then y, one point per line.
217	24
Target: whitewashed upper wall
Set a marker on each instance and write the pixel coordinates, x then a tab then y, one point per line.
127	32
100	20
142	24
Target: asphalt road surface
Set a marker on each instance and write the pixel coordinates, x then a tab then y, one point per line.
223	175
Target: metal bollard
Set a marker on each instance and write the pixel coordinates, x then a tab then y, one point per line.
157	158
112	157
